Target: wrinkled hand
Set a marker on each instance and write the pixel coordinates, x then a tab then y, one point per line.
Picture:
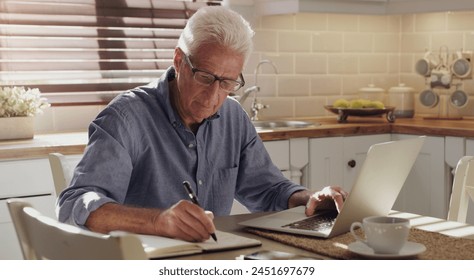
327	198
185	221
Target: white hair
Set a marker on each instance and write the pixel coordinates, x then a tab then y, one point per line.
219	25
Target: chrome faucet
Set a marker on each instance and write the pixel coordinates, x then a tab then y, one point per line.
256	106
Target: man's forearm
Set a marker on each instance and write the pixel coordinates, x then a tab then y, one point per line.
111	216
299	198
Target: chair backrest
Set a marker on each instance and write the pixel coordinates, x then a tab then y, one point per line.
62	171
463	189
42	237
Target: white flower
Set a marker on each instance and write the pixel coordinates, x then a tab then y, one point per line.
18	102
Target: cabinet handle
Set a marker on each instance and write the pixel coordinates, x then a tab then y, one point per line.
351	163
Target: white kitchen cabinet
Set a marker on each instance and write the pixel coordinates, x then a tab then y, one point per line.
32	181
273	7
470	147
290	156
279	152
337	160
454	150
355	151
426	6
426	190
299	160
326	162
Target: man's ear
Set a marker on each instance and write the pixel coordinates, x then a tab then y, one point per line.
177	59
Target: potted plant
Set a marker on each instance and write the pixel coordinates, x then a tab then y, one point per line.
18	106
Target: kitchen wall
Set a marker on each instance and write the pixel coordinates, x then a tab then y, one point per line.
323	57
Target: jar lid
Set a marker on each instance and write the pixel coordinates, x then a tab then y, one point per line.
371	89
401	88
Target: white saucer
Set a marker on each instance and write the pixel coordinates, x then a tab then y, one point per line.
410	249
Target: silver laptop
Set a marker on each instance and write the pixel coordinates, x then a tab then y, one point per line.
376	188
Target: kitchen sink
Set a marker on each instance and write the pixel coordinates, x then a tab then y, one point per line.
282	124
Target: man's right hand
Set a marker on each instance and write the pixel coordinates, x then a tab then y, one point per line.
185	221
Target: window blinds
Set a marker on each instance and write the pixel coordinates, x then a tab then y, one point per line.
87	51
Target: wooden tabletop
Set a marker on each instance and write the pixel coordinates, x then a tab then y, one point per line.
230	224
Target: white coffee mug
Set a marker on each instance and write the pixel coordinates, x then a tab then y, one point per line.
385	235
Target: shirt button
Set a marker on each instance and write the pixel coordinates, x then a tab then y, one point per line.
200	182
191	145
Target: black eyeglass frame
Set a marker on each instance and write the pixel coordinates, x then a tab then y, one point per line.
238	84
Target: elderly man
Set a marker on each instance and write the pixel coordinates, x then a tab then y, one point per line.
183	127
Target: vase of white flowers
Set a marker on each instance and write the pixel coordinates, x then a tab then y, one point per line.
18	106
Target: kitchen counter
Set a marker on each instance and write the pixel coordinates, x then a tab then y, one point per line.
362	125
43	144
74	143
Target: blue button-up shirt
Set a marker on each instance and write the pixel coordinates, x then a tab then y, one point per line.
139	153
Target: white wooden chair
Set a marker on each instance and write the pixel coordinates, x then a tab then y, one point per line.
61	170
463	189
42	237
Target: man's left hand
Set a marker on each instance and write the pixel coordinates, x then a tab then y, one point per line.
327	198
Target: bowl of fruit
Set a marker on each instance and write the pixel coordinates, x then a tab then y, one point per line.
361	108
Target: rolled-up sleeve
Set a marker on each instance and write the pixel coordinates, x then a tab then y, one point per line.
103	174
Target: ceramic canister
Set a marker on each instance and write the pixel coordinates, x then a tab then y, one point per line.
402	98
371	92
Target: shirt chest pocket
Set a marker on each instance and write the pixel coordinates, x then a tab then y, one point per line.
223	184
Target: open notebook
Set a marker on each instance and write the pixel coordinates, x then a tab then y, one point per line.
161	247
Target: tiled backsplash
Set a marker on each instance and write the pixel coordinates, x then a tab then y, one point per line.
322	57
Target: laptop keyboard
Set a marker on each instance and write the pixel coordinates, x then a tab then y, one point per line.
315	223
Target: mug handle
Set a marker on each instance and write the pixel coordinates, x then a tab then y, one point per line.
353	227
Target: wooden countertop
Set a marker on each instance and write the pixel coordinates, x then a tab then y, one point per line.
43	144
74	142
362	125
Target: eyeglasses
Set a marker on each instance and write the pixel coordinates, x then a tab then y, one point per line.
205	78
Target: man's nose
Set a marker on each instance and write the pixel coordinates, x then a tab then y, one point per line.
213	93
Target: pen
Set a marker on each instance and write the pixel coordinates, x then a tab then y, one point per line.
194	199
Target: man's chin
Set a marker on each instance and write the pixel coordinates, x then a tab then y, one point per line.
206	116
201	115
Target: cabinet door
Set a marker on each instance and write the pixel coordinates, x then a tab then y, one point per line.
454	150
336	160
30	179
299	159
25	178
279	152
426	190
355	150
325	162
